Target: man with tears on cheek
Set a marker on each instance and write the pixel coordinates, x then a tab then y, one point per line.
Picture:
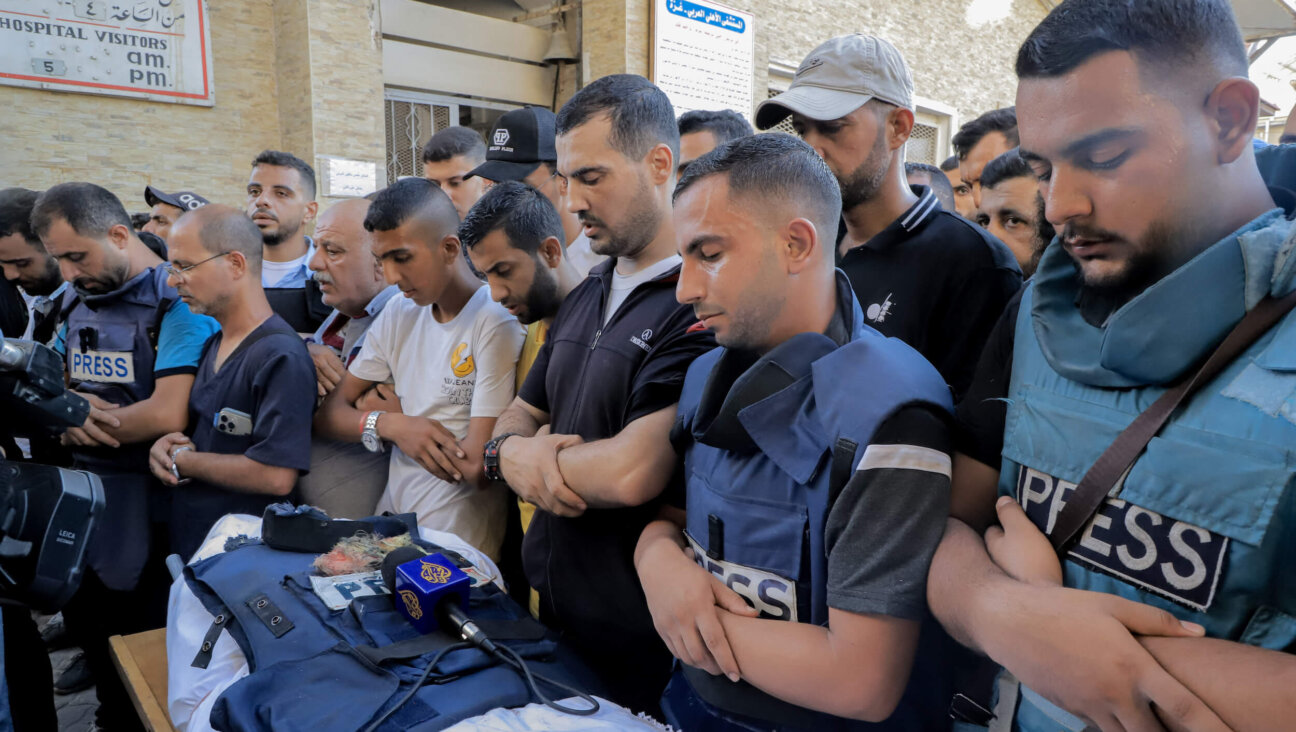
250	409
817	470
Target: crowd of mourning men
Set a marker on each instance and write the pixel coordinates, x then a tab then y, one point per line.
773	429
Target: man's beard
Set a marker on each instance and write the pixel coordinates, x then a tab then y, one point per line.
542	299
863	183
285	232
111	280
1158	252
49	281
635	233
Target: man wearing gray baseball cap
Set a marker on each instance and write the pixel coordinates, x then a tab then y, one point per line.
922	274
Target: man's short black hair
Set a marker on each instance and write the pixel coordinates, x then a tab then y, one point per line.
640	113
940	184
400	201
282	159
1287	139
16	206
1008	165
525	214
89	209
453	141
724	125
950	163
775	166
996	120
1167	33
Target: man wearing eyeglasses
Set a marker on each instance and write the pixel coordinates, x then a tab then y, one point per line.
131	350
254	394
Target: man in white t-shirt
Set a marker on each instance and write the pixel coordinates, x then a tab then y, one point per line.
281	202
451	353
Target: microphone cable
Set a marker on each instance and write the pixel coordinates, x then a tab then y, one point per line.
510	657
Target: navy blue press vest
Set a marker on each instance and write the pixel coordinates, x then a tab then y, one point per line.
318	670
112	346
762	470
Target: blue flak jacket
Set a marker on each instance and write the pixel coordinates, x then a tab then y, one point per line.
313	669
759	487
111	349
1203	524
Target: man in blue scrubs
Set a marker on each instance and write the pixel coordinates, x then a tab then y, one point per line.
254	395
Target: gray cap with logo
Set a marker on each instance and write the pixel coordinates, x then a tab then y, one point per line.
838	77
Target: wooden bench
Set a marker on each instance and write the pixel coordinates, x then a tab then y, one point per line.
142	662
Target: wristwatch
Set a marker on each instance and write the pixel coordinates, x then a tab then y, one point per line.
490	457
369	436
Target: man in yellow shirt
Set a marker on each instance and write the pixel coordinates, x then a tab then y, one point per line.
514	236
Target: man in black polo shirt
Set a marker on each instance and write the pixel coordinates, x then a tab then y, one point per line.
604	387
922	274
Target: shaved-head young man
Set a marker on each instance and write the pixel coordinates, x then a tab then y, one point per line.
450	353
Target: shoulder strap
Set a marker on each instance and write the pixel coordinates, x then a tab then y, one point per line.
1119	457
155	328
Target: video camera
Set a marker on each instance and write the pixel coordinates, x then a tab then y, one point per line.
47	514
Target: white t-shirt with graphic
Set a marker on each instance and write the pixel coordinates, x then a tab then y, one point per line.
450	372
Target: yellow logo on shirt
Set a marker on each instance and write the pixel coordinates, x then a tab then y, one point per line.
461	368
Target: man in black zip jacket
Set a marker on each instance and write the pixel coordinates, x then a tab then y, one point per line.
586	436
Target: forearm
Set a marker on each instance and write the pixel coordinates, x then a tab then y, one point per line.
338	419
658	534
605	476
810	666
1249	688
518	421
147	420
236	472
960	570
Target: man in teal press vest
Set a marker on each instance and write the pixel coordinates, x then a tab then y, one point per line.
816	463
1137	118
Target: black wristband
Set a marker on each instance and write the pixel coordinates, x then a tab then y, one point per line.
490	457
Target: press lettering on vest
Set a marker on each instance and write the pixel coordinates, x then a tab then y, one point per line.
1171	558
112	367
772	595
338	591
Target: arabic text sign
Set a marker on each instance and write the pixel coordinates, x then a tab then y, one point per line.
152	49
345	178
704	56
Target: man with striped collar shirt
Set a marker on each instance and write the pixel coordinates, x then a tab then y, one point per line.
922	274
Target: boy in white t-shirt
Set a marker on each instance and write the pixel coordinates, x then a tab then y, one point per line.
451	353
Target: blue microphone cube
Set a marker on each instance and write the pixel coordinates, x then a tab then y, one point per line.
422	584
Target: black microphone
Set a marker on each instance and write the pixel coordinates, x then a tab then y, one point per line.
431	592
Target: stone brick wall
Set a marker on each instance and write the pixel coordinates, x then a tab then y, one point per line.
298	75
968	67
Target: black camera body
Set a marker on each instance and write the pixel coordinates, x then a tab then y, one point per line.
47	515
